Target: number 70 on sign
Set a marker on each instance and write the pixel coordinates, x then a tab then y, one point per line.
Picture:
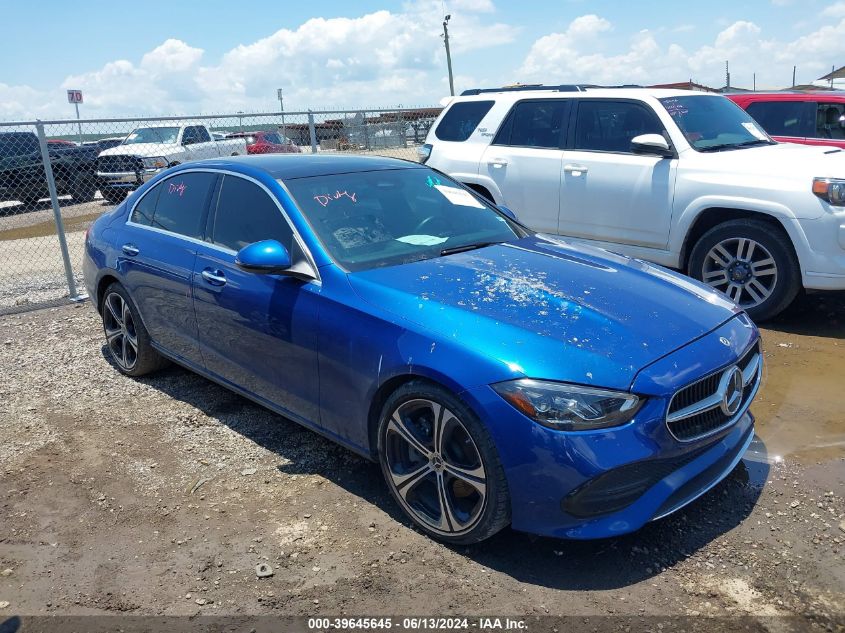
74	96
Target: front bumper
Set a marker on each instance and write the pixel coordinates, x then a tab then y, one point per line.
609	482
820	245
126	179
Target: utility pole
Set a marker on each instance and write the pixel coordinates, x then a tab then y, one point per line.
754	82
282	105
448	53
727	76
794	68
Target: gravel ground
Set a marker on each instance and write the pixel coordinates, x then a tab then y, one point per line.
162	495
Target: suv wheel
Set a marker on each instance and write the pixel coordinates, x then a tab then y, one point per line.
751	262
441	465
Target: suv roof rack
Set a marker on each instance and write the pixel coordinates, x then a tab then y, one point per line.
533	87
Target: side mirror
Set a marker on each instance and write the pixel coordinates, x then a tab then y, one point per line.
267	257
650	144
507	211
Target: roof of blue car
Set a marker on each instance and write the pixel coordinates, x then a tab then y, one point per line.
289	166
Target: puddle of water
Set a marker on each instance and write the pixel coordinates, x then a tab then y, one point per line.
800	409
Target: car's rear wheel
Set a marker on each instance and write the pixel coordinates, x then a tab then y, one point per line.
750	261
441	465
127	339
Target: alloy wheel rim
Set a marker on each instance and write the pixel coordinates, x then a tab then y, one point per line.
435	467
121	336
743	269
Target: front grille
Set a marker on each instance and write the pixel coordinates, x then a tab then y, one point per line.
695	410
117	164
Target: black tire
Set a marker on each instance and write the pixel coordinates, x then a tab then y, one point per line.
785	281
113	195
84	188
145	359
468	439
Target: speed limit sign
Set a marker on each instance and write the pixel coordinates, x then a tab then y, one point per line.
74	96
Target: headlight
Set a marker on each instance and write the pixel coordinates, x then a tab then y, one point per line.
569	407
831	190
154	162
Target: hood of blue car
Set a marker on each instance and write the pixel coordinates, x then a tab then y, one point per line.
551	309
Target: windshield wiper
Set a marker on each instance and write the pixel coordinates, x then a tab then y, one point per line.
724	146
466	247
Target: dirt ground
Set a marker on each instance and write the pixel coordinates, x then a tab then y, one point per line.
161	495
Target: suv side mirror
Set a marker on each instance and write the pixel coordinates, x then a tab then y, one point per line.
267	257
507	211
650	144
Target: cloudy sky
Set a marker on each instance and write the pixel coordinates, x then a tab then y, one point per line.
181	57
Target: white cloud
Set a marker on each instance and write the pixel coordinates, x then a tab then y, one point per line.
835	10
377	59
584	53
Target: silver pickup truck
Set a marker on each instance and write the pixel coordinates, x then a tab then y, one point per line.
148	150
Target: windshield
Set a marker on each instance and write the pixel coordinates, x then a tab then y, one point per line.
714	123
382	218
153	135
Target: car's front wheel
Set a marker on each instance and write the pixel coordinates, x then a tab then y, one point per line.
127	339
441	465
750	261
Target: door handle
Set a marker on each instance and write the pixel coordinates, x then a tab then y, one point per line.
575	170
498	162
130	249
214	277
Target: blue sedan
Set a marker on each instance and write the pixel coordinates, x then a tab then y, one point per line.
499	376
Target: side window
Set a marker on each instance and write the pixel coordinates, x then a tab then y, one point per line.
461	119
202	134
534	124
784	118
145	209
830	121
609	126
181	204
189	137
247	214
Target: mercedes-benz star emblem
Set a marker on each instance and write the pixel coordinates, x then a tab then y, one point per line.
731	387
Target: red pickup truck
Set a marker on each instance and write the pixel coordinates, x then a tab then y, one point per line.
809	118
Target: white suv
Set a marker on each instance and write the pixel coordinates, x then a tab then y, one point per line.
684	179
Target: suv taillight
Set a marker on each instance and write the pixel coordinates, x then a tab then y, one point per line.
424	151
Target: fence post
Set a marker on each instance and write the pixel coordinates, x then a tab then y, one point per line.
312	131
57	212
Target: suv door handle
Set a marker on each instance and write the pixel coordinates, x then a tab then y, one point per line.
572	168
498	162
130	249
214	277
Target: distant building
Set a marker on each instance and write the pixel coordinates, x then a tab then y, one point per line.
834	79
686	85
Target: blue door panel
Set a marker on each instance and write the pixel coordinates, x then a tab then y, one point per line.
259	332
159	279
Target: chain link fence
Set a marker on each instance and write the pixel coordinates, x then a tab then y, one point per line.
57	177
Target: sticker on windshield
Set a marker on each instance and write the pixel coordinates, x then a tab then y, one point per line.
422	240
756	131
459	196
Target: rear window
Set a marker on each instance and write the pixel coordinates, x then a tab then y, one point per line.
461	119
